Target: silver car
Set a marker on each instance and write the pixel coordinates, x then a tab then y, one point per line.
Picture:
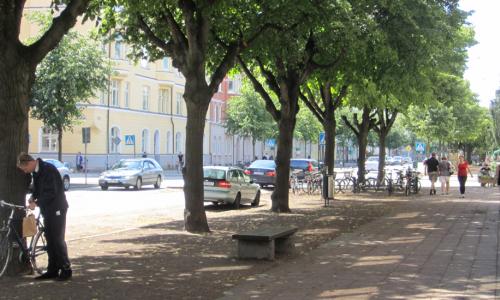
63	170
132	172
229	185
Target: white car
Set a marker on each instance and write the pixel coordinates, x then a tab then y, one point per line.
229	185
371	163
63	170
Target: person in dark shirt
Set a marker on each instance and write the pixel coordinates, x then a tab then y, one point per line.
431	168
48	194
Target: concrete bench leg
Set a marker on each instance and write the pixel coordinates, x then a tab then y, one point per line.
284	245
256	249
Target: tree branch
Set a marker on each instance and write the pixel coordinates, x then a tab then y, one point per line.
152	36
308	102
260	89
270	79
60	26
346	122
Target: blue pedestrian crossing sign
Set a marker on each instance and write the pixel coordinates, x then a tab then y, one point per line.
130	139
420	147
321	138
271	143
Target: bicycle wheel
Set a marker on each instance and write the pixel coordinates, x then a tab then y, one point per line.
38	255
5	251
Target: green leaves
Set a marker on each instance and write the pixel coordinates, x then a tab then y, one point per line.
72	73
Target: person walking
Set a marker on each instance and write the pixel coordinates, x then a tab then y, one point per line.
79	162
431	168
180	156
445	171
463	168
48	194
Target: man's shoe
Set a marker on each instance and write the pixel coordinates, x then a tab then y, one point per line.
47	275
65	274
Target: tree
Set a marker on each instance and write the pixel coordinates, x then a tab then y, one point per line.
286	58
246	115
323	107
495	114
17	75
68	75
203	39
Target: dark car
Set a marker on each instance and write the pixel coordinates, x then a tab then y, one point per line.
262	172
303	165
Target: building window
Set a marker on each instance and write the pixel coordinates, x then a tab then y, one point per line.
163	100
156	142
49	140
144	60
145	97
103	99
118	48
230	86
169	137
115	93
178	142
114	138
126	93
178	109
145	141
165	63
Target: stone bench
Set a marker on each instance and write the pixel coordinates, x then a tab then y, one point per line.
263	243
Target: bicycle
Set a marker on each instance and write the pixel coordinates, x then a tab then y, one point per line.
36	253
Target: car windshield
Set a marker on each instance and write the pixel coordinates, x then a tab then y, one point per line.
302	163
270	164
55	163
127	165
214	174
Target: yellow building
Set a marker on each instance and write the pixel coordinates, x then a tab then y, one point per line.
144	100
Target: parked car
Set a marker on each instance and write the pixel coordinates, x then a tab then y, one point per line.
132	173
63	170
262	172
229	185
303	164
398	160
407	160
371	163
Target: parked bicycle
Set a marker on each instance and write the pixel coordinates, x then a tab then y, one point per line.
413	184
36	253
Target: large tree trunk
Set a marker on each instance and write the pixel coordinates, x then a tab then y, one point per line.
381	157
197	102
59	143
15	85
362	144
329	126
279	197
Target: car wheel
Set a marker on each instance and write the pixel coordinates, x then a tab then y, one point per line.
237	201
256	200
104	187
138	184
158	182
66	183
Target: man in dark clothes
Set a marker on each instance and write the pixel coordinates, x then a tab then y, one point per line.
431	168
48	194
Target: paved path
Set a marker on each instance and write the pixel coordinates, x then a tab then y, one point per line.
439	247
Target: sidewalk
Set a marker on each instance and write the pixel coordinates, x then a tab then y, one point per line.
439	247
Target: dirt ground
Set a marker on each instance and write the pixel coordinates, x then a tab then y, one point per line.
162	261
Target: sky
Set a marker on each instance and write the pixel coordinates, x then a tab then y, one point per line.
483	67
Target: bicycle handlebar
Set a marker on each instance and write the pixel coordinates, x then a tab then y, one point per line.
3	203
